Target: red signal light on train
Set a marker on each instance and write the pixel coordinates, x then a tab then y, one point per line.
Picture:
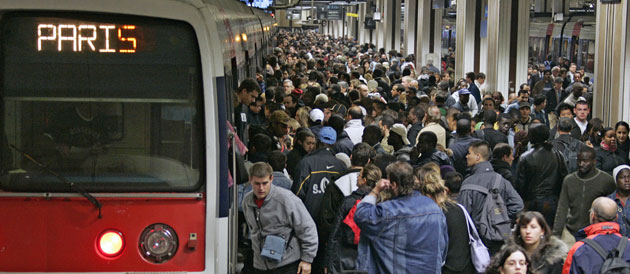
111	243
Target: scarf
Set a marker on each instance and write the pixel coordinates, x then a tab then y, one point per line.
606	147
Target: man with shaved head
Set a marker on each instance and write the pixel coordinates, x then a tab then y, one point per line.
603	234
354	126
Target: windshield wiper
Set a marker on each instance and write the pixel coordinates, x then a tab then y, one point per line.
72	185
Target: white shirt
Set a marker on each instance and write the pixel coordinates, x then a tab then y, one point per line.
472	103
581	125
354	128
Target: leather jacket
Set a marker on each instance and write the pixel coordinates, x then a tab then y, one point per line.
540	173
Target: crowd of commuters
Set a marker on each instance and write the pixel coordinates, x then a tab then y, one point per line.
351	159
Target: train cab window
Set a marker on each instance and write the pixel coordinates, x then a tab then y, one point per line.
111	103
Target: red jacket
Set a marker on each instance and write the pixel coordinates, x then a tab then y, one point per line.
584	259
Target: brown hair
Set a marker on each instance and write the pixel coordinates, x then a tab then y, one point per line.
524	219
430	183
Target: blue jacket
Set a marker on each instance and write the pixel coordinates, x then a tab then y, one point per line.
623	215
584	259
404	235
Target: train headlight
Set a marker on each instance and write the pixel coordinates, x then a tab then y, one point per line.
158	243
111	243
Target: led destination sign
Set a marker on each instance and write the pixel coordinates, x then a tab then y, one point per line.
103	38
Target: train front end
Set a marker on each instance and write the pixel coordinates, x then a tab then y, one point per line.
108	131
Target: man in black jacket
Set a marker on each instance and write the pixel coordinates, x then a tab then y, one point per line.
502	158
312	176
342	186
555	96
540	173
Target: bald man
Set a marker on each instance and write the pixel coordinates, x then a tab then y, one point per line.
354	126
603	232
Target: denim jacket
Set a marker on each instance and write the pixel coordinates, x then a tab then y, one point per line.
404	235
623	215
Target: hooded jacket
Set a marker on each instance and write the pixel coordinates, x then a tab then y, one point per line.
583	258
336	191
503	168
282	214
549	259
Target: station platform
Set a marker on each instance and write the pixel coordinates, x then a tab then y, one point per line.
502	39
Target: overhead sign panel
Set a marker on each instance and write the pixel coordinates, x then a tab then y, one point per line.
334	12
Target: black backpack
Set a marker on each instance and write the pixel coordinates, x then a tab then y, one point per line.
494	223
613	260
569	155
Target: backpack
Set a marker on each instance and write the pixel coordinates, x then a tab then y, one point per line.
569	154
494	223
613	260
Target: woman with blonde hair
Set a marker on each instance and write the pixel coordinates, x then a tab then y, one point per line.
302	116
458	257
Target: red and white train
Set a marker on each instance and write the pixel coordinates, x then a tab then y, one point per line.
114	144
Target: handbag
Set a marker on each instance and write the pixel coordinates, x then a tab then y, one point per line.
478	251
273	248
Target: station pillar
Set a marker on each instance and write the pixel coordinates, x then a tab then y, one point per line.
435	43
467	46
520	52
423	32
362	31
498	45
378	38
409	38
612	63
391	24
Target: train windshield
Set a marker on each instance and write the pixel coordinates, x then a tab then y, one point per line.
111	103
